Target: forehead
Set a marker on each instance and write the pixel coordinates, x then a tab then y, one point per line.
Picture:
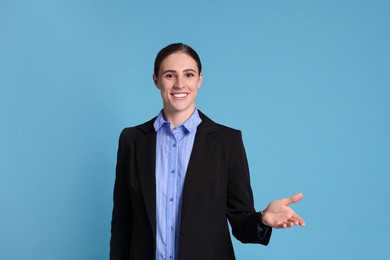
178	61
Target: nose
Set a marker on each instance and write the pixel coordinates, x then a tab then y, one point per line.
179	82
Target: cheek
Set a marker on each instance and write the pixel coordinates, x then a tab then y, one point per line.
194	92
163	87
165	93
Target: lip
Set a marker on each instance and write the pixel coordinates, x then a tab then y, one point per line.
179	94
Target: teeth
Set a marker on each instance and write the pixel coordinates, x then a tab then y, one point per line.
179	95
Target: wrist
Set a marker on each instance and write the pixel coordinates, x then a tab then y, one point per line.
260	216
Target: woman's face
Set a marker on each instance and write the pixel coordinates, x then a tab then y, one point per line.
178	80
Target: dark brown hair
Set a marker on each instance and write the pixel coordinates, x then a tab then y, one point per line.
173	48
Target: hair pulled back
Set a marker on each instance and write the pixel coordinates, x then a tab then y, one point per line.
174	48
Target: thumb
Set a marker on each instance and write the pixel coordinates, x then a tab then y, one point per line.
293	199
296	197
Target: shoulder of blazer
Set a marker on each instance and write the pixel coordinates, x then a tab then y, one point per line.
131	134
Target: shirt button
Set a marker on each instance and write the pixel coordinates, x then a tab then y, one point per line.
170	257
174	145
171	228
171	199
173	171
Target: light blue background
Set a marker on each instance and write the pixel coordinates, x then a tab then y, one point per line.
306	81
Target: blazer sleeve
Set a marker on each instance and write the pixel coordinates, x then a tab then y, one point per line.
240	205
122	216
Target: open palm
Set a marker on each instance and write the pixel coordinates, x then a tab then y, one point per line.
278	214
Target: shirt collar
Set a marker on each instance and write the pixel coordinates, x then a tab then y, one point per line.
190	124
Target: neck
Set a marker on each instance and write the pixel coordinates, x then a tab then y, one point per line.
177	118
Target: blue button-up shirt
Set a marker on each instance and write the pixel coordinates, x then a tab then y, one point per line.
173	150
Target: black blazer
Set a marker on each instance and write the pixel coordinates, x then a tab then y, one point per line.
216	188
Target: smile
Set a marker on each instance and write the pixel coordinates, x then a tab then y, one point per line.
180	95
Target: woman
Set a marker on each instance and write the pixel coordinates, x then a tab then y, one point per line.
181	176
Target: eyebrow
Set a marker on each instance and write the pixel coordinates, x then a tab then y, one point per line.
174	71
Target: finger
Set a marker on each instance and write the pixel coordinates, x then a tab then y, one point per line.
292	199
298	220
292	222
287	224
296	197
282	225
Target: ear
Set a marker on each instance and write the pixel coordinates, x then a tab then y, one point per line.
155	80
200	79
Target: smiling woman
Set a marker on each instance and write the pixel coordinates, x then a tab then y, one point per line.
178	75
178	80
180	176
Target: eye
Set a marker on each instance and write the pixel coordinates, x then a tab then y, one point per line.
169	75
190	74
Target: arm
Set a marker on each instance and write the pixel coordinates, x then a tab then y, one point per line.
240	206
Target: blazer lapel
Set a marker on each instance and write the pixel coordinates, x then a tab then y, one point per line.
202	150
146	161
